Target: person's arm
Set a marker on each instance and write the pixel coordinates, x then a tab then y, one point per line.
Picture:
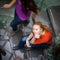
35	10
35	14
28	39
10	4
45	39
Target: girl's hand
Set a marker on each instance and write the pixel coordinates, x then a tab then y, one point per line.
6	6
37	36
27	44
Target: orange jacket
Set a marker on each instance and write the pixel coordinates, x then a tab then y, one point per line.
46	38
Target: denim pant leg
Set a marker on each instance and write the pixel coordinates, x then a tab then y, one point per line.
15	22
22	42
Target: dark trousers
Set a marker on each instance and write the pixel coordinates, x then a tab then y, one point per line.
16	21
23	42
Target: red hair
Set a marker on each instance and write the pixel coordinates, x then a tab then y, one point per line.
44	27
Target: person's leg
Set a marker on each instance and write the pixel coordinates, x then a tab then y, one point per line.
16	21
22	42
26	22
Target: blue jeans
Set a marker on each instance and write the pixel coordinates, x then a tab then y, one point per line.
23	42
16	21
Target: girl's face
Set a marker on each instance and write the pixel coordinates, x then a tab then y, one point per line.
37	29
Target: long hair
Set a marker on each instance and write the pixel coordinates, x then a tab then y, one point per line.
44	27
28	4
